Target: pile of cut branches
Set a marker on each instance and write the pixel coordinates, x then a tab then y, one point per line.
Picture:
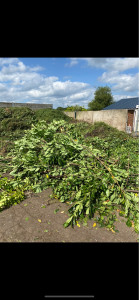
93	177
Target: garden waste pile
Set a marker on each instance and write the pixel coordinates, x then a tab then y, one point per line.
94	175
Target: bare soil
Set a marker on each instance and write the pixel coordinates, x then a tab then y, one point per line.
35	220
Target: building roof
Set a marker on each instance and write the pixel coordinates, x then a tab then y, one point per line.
128	103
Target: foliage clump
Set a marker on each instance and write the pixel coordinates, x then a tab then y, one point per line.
15	120
75	108
49	114
93	176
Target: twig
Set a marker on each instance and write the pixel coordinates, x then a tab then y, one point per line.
128	171
134	191
131	175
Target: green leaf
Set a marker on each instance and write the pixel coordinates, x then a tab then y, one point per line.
38	190
78	195
112	197
107	193
128	223
56	210
67	223
87	211
108	226
122	213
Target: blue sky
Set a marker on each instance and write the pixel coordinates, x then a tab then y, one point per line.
66	81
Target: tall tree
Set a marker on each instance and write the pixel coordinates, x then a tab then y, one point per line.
103	97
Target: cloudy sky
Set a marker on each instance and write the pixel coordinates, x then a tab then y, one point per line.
66	81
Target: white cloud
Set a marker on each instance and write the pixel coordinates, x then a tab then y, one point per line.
20	67
68	87
114	64
73	62
121	96
35	69
19	82
124	82
108	63
114	72
4	61
62	91
2	87
87	94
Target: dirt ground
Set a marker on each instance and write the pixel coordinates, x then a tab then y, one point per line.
34	220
